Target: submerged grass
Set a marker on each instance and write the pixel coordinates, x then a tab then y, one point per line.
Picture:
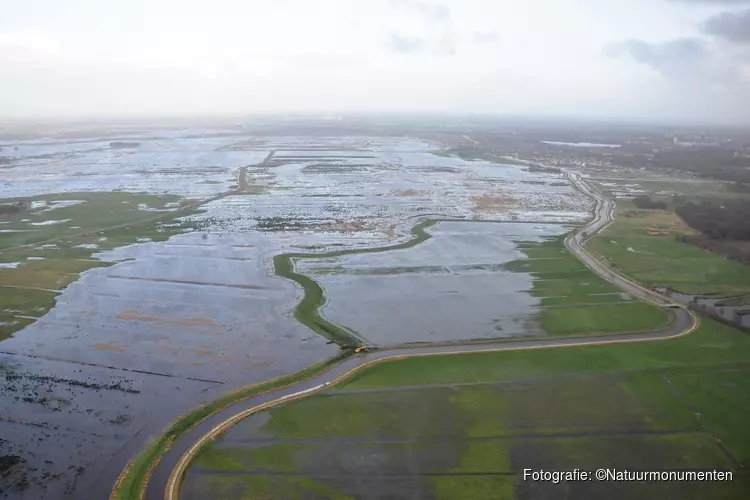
263	487
721	398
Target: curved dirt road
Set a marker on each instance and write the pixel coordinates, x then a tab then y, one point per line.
166	478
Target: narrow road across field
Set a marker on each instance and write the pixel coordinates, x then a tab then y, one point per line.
167	476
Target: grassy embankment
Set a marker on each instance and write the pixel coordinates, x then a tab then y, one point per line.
575	301
643	244
50	257
661	405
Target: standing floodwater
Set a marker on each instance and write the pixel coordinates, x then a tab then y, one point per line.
451	287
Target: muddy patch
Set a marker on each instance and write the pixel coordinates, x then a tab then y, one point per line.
107	346
133	315
411	192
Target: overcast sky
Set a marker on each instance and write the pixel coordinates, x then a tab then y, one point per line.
668	60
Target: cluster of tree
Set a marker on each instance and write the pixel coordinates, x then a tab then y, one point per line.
709	163
730	249
647	203
724	227
728	220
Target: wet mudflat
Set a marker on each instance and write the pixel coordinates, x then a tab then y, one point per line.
451	287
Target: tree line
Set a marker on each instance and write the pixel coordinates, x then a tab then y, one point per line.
724	226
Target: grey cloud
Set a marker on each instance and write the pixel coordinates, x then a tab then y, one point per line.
430	11
677	58
405	44
685	60
732	26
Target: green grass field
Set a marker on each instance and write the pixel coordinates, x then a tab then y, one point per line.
721	399
466	426
575	301
661	260
97	210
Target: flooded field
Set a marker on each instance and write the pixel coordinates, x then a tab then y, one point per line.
200	306
310	193
171	325
186	163
176	232
451	287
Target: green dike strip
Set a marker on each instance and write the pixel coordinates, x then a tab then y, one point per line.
307	311
132	482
